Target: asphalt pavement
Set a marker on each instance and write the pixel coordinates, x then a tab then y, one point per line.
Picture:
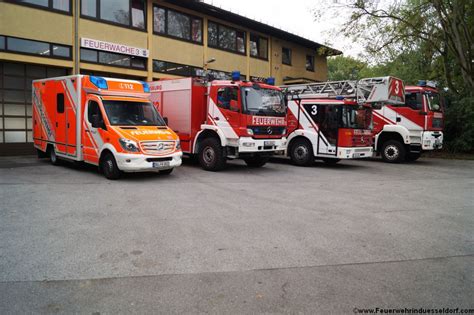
279	239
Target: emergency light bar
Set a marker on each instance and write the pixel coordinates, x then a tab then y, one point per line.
235	75
100	82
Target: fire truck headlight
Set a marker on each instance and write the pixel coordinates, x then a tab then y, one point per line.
250	131
128	145
283	132
178	145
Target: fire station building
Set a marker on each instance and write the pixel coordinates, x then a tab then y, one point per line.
136	39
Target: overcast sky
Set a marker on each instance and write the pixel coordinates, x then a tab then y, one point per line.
294	16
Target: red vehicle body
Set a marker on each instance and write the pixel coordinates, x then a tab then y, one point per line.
333	120
403	132
221	119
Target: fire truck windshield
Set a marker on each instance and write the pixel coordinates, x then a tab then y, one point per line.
264	102
128	113
355	117
434	102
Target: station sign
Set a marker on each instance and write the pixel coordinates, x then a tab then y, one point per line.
114	47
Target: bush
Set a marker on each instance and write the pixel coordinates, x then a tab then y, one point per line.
459	126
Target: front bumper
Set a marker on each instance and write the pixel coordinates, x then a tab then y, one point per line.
354	152
432	140
139	163
251	145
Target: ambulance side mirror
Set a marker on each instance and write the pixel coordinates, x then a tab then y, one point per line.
96	121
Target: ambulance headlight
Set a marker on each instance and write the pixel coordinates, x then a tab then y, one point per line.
178	145
250	131
128	145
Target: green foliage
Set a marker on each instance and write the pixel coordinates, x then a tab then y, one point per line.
459	125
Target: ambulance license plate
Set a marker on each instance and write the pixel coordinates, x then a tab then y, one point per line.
268	143
161	164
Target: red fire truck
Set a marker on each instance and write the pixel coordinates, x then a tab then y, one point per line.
333	120
223	119
402	132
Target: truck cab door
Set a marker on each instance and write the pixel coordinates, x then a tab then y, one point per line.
92	135
226	110
412	114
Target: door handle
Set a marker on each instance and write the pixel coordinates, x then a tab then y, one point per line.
216	118
87	130
68	125
399	119
56	124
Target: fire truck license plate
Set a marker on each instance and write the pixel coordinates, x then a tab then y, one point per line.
161	164
269	143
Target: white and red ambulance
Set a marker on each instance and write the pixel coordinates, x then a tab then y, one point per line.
106	122
223	119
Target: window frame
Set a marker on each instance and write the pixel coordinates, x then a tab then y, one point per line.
98	18
48	8
37	55
193	68
291	56
115	66
191	16
231	28
312	63
258	50
60	106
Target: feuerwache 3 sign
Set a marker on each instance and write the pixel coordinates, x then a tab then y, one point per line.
114	47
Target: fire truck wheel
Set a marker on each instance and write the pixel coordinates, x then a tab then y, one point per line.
301	152
256	161
109	167
331	161
166	172
52	156
393	151
211	155
411	157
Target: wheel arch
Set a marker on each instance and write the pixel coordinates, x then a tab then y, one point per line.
385	136
205	134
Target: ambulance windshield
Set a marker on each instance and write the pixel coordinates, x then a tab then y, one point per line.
264	102
128	113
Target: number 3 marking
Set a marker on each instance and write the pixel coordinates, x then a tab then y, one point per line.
397	87
314	110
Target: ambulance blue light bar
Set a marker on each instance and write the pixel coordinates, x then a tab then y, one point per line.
100	82
146	87
270	81
235	75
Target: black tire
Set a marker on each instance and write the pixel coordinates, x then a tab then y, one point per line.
53	158
393	151
301	152
211	155
166	172
331	161
411	157
109	167
256	161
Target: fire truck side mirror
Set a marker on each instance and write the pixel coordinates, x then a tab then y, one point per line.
234	106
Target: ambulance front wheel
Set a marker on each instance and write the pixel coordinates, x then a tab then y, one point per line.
301	152
109	167
211	155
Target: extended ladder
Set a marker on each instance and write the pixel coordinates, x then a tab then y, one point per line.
370	90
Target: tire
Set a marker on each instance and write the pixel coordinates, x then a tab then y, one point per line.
109	167
256	161
301	153
53	158
393	151
412	157
331	161
166	172
211	155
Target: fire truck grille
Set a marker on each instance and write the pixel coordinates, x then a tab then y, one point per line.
158	147
267	130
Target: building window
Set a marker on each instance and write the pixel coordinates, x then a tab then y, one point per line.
176	69
177	25
112	59
310	63
258	46
129	13
33	47
63	6
226	38
286	56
